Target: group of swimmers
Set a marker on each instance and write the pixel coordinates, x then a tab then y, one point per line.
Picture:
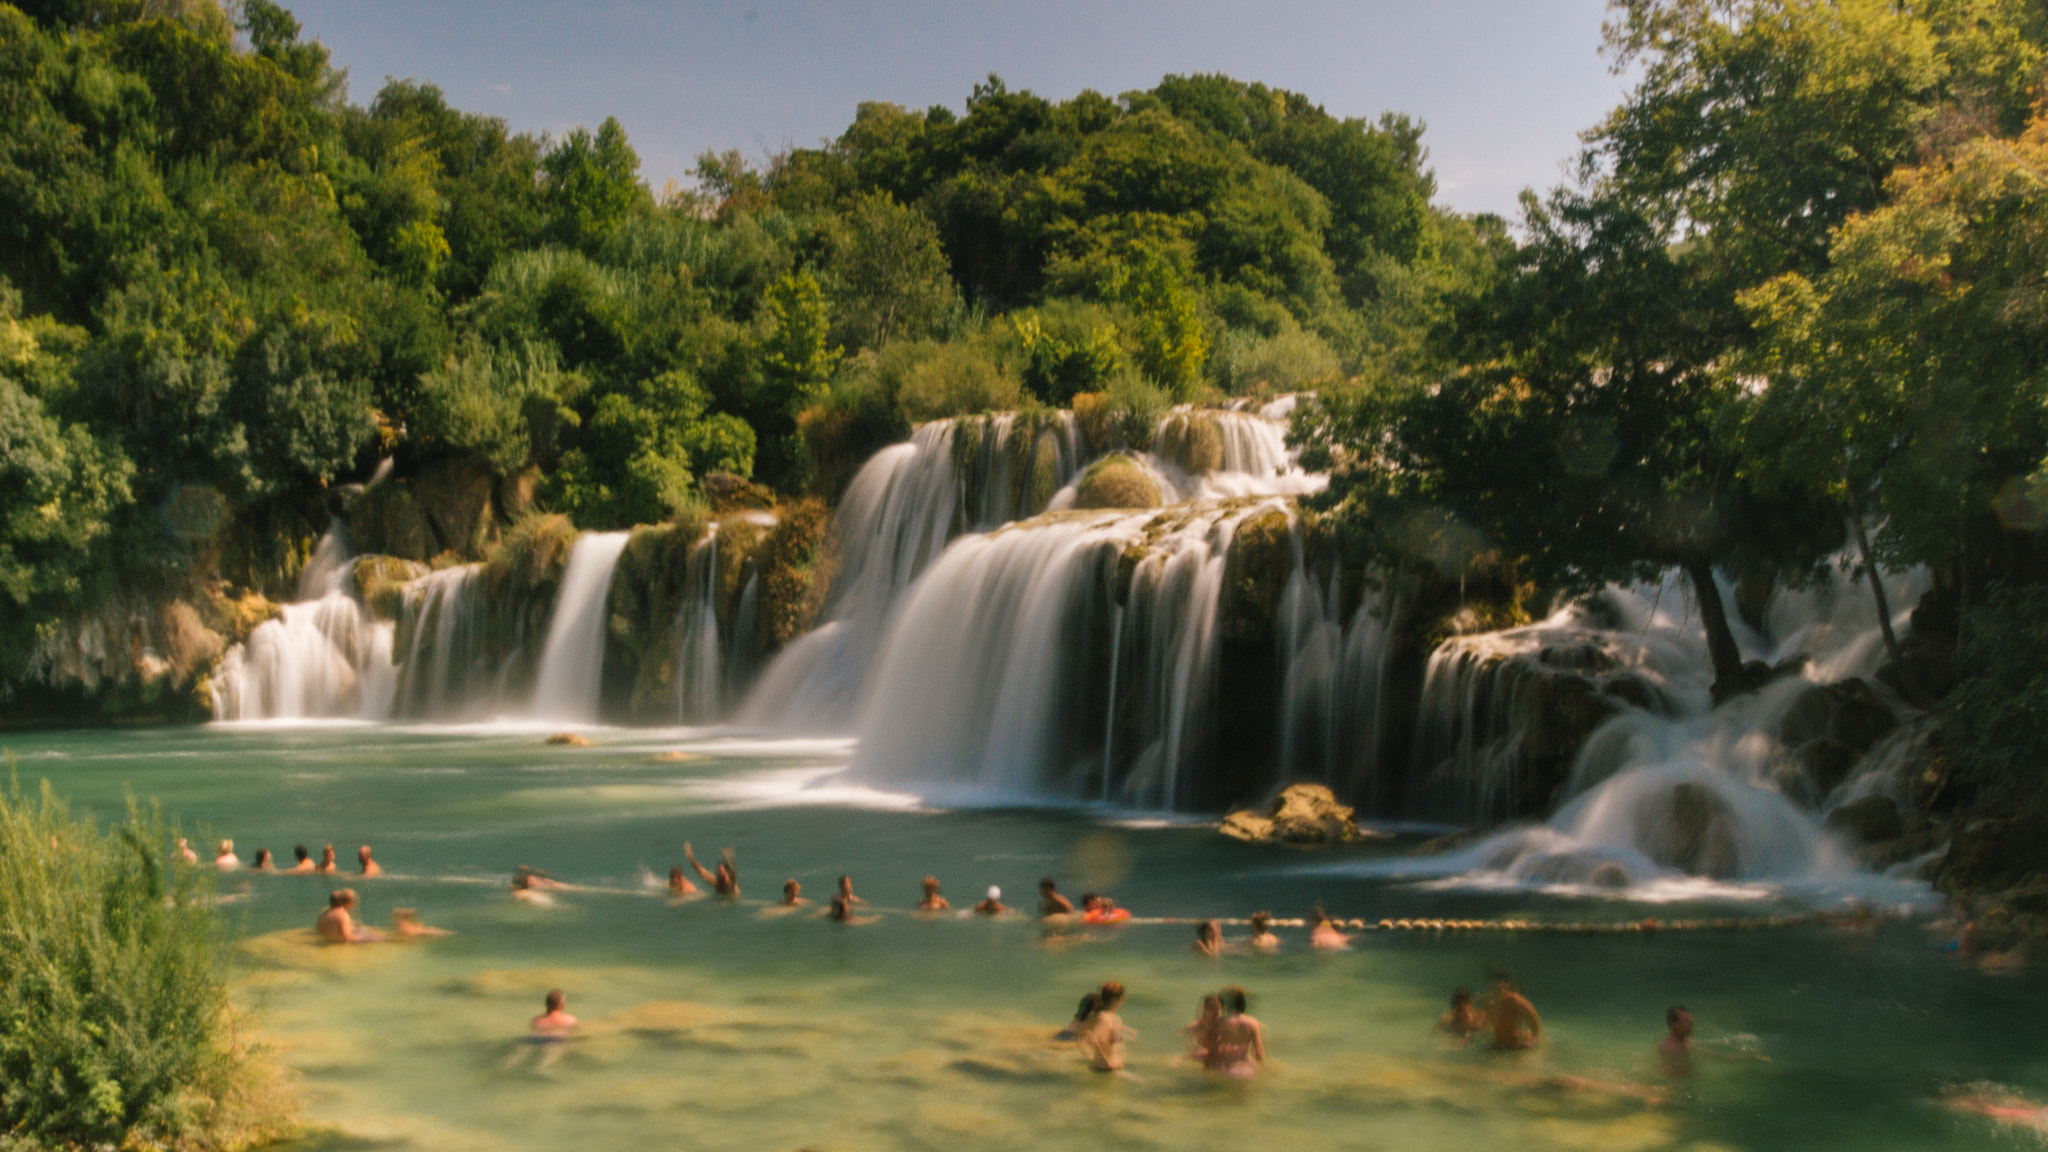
226	860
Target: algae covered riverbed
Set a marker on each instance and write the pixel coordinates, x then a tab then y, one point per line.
715	1025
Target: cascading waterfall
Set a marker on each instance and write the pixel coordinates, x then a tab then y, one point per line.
572	661
701	673
449	671
998	675
324	657
906	503
1333	675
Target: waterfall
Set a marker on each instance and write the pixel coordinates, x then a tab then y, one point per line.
701	675
449	669
997	673
324	656
1333	674
906	503
572	660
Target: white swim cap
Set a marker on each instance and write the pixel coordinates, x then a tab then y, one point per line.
995	893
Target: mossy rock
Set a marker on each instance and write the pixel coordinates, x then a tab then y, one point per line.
1255	573
1193	441
456	498
1691	828
1045	471
380	583
798	571
386	519
730	493
1091	411
1116	482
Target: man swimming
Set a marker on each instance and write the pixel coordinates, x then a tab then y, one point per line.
792	894
992	904
336	926
679	884
1262	933
327	866
933	902
531	886
1240	1044
226	860
1464	1018
1050	902
305	863
1103	1034
1208	939
370	867
550	1030
1674	1051
1515	1023
1324	934
726	881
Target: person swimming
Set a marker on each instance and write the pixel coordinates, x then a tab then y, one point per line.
1103	1035
1674	1051
184	852
932	902
1324	934
1262	933
327	866
305	862
1208	939
726	881
846	890
1515	1023
263	863
1201	1032
1050	902
992	904
792	894
1464	1018
406	925
531	886
549	1032
370	867
841	910
1102	910
679	884
1239	1049
337	926
226	860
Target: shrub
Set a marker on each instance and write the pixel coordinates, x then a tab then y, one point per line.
1291	361
1995	722
1116	482
114	1020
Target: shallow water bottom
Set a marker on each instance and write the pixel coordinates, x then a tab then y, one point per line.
727	1026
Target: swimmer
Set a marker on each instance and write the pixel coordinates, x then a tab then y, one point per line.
792	894
2003	1106
846	891
1515	1023
336	926
531	886
1262	933
842	911
1103	1035
1240	1045
226	860
1325	935
932	902
1208	939
263	863
679	884
305	863
406	925
1089	1003
1050	902
1202	1032
327	866
1674	1051
549	1032
992	904
370	867
1464	1019
185	853
1101	910
726	881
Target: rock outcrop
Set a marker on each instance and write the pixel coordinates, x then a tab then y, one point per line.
1116	482
1303	814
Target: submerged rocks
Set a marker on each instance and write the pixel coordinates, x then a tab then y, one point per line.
1301	814
567	740
1116	482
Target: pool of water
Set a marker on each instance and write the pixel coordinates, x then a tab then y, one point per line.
721	1026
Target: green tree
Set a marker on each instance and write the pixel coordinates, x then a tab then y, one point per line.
589	183
888	276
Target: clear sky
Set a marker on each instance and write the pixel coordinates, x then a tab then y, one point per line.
1503	85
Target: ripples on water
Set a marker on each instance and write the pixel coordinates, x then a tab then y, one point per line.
709	1025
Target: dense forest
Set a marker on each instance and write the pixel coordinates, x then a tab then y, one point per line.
1788	308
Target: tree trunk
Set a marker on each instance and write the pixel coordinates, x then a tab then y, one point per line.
1884	607
1728	675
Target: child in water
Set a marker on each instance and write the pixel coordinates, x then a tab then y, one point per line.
1464	1018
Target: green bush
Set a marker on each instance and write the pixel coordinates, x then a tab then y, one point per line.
1995	723
114	1020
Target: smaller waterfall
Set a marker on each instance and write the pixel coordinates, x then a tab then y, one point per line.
700	672
449	671
323	657
572	661
1332	677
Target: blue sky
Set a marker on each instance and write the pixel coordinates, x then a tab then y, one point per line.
1503	85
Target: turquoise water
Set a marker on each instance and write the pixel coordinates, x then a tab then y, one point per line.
717	1026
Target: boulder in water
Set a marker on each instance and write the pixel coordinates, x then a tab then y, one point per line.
1116	482
568	740
380	582
1193	441
1867	821
1301	814
1691	828
1829	728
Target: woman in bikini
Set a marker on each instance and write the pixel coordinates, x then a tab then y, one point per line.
1240	1046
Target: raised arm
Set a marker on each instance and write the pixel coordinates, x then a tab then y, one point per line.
707	877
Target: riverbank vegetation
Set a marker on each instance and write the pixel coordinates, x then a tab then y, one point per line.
116	1029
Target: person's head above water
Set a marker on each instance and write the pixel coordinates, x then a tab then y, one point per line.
1233	998
1111	994
845	884
994	893
301	853
1461	998
262	857
1207	931
1091	901
363	854
557	1000
1679	1020
1045	885
1261	921
227	847
790	888
342	898
931	885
